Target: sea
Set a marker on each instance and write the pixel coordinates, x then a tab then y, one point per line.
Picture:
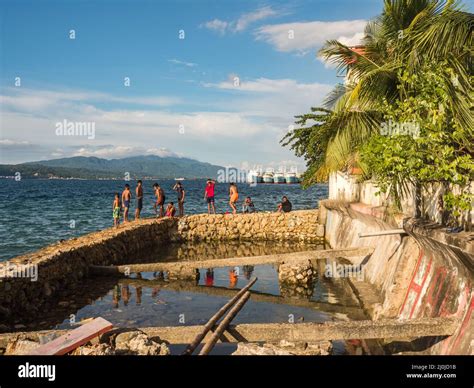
36	213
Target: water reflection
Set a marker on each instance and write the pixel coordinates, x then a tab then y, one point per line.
149	299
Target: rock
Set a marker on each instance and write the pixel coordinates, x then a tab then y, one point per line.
20	346
138	343
94	350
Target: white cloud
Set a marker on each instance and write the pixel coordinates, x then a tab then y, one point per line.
241	23
306	36
248	18
249	121
13	143
33	100
216	25
121	151
178	62
266	85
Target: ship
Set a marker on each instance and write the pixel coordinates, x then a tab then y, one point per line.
278	177
254	176
291	178
268	177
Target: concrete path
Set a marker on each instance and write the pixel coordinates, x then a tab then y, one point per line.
308	332
184	266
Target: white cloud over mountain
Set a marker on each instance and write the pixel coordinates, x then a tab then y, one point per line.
249	120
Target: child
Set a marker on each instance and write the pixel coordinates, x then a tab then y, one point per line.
285	205
160	199
126	198
209	196
139	194
116	210
178	187
248	206
170	210
233	197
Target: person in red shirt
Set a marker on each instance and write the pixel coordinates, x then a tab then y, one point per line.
209	196
209	278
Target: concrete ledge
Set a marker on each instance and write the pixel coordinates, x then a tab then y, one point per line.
272	332
186	266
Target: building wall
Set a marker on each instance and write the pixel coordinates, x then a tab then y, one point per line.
344	187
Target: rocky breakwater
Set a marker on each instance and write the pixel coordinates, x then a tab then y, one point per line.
300	225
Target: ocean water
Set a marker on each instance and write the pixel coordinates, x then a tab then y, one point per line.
35	213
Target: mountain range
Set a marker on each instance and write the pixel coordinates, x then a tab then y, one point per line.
82	167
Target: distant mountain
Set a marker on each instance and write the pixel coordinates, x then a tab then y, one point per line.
149	166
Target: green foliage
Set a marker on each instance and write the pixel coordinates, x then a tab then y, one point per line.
415	67
440	152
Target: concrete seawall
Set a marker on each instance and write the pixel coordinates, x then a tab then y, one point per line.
419	275
63	264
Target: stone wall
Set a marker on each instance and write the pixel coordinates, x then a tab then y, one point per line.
298	225
64	264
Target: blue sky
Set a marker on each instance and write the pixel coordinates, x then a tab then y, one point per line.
225	94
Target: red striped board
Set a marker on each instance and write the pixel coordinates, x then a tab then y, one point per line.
75	338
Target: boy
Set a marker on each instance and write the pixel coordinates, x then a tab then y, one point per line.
233	197
160	199
178	187
116	210
209	195
139	194
126	198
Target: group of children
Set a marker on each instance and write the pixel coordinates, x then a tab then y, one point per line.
248	206
123	202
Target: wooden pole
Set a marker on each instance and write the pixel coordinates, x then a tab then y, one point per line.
212	321
224	323
383	233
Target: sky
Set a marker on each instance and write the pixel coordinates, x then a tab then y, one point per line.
217	81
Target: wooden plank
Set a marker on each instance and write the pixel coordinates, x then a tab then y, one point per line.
288	258
75	338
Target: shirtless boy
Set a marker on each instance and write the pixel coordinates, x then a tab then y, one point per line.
160	200
139	200
126	198
233	197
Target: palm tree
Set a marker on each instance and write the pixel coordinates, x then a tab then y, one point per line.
408	34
